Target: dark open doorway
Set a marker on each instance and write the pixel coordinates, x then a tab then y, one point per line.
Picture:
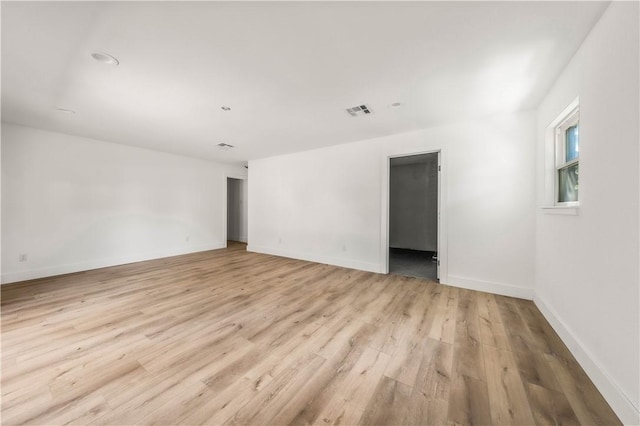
237	213
413	215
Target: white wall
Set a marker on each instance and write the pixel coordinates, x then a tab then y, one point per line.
237	213
413	205
329	205
74	204
587	274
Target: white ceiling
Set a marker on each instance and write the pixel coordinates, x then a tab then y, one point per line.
288	70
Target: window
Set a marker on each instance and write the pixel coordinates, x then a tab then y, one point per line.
567	159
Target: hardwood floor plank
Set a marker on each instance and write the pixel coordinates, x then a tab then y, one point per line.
240	365
541	329
409	339
156	403
507	395
330	380
81	412
492	331
430	395
468	360
588	405
346	404
270	401
434	377
469	402
339	413
550	407
443	327
388	404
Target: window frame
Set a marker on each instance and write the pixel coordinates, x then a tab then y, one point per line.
565	121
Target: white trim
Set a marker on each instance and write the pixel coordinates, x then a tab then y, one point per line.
30	274
329	260
561	210
442	209
619	402
491	287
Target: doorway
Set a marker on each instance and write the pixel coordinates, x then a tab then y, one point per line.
237	212
414	183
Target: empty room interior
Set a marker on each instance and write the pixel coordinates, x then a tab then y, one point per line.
354	213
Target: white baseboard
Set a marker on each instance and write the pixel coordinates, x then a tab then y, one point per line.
619	402
49	271
490	287
346	263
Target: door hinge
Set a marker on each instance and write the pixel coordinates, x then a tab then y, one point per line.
439	168
438	263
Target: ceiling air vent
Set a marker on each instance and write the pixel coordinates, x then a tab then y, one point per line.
359	110
224	146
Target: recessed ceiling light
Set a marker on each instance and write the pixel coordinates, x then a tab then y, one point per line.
66	111
226	108
105	58
396	105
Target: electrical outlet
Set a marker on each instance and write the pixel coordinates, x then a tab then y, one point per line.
22	257
187	238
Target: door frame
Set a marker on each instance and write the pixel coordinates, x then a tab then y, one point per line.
225	197
443	270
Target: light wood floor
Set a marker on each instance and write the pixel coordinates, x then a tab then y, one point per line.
230	337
